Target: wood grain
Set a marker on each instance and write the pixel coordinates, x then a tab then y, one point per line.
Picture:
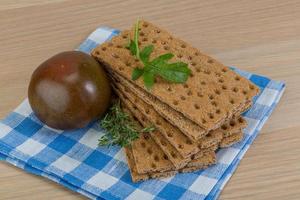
260	36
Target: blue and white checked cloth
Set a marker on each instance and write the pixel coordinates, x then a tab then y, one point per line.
73	159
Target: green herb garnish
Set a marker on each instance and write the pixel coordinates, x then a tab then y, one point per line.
177	72
120	128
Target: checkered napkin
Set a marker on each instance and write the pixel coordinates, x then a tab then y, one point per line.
73	159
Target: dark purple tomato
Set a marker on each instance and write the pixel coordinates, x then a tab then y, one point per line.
69	90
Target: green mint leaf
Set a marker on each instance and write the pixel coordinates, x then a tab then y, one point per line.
174	72
162	58
148	79
145	53
137	73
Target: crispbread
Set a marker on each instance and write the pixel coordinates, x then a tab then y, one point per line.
231	127
209	156
148	116
172	154
167	134
212	138
232	139
211	95
189	128
163	140
192	169
185	125
132	167
201	163
199	154
202	160
148	155
222	143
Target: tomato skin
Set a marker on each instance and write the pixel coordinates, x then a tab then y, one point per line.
69	90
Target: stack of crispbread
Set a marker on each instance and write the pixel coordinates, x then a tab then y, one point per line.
192	120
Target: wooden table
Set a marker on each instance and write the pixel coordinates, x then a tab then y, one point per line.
259	36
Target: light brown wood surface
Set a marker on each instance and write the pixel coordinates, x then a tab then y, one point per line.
259	36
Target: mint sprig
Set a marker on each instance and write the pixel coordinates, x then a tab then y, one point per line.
177	72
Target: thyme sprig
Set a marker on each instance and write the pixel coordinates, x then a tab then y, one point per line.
120	128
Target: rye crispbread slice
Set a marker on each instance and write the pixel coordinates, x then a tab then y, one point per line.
199	154
133	169
211	95
207	157
203	162
231	127
165	133
148	116
168	134
185	125
172	153
175	157
210	142
199	160
150	158
188	127
232	139
226	141
144	146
